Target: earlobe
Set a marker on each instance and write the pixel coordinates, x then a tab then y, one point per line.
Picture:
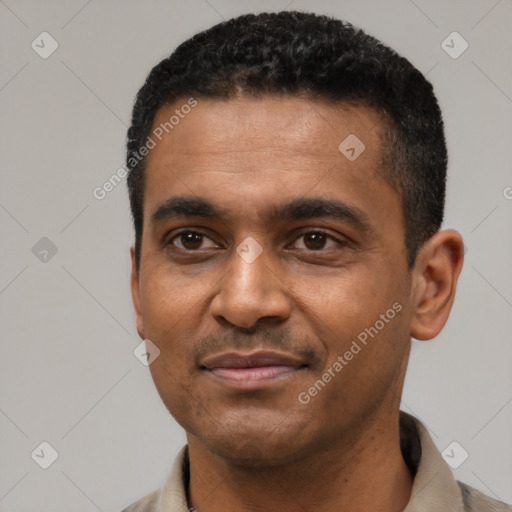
437	269
134	284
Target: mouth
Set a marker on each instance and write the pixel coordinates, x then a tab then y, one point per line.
254	370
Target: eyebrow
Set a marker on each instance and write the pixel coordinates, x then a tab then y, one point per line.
296	209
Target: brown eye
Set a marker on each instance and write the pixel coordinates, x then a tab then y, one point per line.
191	241
188	240
317	240
314	240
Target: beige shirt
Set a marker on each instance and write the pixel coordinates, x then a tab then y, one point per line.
434	488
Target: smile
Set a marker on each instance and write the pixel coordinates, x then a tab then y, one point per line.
252	371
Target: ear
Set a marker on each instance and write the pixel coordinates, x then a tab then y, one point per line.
134	283
435	274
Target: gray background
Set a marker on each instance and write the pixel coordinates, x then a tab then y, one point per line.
67	370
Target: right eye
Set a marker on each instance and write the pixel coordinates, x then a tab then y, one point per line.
188	240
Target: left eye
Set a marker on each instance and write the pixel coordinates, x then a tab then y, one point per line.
316	240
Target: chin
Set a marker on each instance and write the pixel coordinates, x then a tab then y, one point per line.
254	453
253	445
249	436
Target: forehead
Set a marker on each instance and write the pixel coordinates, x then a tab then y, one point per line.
245	153
304	126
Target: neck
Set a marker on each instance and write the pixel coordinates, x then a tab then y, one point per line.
362	469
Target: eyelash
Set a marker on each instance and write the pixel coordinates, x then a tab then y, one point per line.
313	231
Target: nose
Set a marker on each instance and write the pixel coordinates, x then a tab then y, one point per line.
250	291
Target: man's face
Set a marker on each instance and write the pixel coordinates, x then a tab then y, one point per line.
283	292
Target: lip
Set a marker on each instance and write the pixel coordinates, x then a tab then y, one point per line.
251	360
253	370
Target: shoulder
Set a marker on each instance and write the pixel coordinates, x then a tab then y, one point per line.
172	495
476	501
146	504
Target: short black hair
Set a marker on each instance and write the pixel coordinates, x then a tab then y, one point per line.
298	53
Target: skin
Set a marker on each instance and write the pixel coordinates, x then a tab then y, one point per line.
263	449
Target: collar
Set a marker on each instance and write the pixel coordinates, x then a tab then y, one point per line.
434	487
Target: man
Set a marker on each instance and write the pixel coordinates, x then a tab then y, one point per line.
287	182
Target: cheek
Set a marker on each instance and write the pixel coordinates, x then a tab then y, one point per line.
169	299
363	364
363	320
346	302
174	391
171	317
